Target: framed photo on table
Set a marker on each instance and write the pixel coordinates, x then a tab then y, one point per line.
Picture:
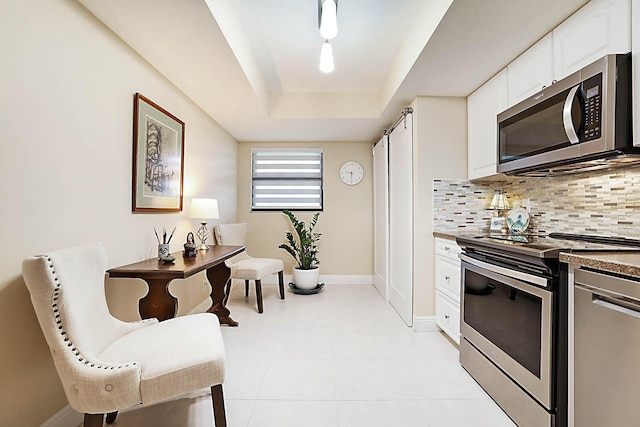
158	158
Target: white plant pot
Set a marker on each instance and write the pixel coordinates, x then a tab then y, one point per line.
306	279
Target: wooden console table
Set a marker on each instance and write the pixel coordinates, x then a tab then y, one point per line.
159	303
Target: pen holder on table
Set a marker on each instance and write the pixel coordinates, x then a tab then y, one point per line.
163	250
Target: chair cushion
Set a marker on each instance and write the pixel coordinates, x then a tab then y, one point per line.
256	268
175	357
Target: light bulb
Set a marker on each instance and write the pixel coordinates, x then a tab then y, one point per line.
326	58
329	19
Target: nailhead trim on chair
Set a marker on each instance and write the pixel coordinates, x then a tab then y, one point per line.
63	333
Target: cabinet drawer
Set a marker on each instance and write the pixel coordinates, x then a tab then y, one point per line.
448	316
448	277
447	248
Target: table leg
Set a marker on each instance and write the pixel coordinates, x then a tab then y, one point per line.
218	276
158	302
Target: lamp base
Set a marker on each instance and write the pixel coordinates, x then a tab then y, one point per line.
203	234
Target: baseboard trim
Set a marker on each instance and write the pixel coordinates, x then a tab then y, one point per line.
347	279
326	279
425	324
65	417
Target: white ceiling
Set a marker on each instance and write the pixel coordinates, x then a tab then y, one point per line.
252	65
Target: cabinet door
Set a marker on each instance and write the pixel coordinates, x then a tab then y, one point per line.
531	71
601	27
448	277
448	316
483	107
448	248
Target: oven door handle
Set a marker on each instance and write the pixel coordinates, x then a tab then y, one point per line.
540	281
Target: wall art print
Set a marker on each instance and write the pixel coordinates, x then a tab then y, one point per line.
158	158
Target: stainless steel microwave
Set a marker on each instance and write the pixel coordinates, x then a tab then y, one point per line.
582	122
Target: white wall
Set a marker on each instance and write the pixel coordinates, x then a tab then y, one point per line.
66	112
346	224
439	152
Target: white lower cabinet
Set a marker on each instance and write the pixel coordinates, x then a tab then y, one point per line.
447	280
448	316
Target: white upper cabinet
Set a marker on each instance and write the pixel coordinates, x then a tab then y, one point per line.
483	107
531	71
601	27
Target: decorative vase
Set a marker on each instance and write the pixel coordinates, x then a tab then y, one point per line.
306	279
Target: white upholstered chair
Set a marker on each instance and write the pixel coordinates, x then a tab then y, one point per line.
245	267
107	365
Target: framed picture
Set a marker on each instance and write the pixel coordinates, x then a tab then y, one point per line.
498	223
158	158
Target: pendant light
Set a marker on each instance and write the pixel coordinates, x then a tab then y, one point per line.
326	58
329	19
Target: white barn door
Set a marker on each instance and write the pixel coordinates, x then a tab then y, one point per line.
401	219
381	217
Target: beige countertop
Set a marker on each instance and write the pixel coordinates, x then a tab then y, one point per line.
452	234
449	235
627	263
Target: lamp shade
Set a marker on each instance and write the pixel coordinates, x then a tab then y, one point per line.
326	58
204	209
329	19
499	201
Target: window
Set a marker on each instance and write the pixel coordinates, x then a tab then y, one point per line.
286	179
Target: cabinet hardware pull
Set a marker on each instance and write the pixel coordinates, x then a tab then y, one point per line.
447	278
446	316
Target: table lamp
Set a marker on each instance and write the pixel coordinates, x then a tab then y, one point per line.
204	209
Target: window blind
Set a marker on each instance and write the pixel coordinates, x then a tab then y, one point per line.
286	179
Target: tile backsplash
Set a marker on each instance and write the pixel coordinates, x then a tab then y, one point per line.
602	203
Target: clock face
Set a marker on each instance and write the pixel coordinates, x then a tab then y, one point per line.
351	173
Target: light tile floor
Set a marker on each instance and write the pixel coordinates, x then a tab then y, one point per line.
340	358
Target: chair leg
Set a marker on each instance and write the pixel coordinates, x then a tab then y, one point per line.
259	295
246	288
219	415
111	417
93	420
281	283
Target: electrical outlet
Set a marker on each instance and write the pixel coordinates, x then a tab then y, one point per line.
205	285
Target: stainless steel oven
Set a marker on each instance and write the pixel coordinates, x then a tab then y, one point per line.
510	325
508	317
514	320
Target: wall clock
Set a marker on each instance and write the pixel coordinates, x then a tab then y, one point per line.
351	173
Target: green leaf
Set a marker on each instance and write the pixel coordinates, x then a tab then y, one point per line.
303	250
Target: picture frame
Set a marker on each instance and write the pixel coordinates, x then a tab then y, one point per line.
158	158
498	223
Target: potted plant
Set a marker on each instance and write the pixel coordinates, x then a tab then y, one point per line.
304	250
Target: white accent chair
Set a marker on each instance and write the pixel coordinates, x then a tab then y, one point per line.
245	267
107	365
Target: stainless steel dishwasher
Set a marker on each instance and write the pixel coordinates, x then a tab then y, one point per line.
606	350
